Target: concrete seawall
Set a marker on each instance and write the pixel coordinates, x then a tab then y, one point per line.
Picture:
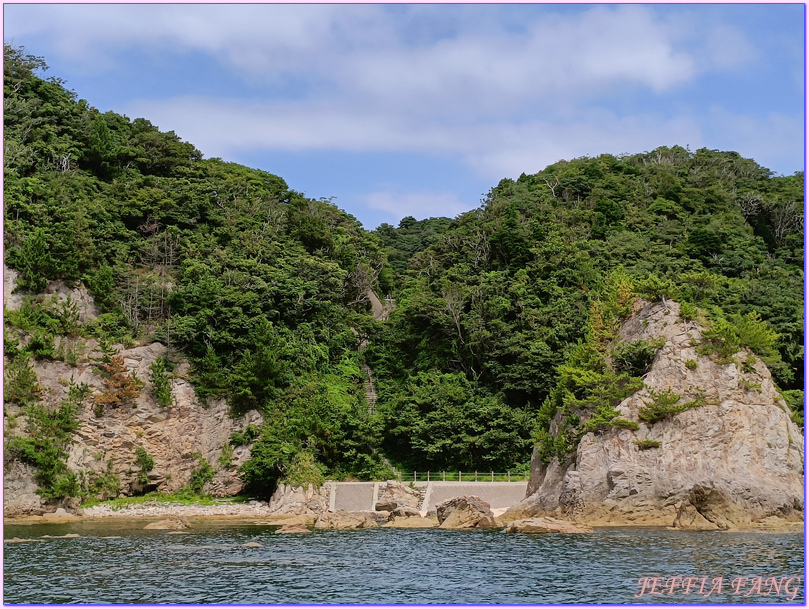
359	496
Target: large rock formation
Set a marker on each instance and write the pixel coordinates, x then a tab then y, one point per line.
342	520
396	495
465	512
735	460
297	501
103	450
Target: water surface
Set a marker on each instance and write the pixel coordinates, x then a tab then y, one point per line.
122	563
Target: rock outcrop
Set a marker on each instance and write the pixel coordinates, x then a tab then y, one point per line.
545	525
342	520
169	524
410	522
103	450
293	528
397	495
733	461
297	501
465	512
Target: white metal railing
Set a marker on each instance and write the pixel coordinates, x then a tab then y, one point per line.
444	476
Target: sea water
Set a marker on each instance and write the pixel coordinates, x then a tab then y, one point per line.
119	562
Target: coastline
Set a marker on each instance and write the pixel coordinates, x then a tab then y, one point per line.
257	512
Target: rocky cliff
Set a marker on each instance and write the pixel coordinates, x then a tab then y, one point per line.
103	451
734	461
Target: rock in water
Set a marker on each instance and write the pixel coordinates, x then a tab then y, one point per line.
410	522
174	524
251	544
545	525
465	512
729	463
342	520
293	528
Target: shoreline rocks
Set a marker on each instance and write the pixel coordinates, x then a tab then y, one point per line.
343	521
545	525
730	463
465	512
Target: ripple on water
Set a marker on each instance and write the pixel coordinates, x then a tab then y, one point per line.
379	566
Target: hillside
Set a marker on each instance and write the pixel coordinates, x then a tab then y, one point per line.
258	299
707	442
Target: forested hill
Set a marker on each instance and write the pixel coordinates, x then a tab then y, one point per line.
264	290
261	287
494	303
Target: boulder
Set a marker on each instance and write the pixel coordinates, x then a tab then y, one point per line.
386	505
465	512
396	495
299	501
293	528
342	520
380	517
404	512
410	522
545	525
251	544
169	524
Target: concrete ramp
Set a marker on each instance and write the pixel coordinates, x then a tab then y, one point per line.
497	494
353	496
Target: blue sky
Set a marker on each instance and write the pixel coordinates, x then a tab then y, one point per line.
419	110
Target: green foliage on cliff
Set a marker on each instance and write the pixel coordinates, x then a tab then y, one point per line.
504	315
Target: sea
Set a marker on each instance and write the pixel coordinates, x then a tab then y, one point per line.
118	562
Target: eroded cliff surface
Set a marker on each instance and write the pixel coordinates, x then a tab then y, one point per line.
103	452
735	460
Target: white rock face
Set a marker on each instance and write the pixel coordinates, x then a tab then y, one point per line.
297	501
738	459
171	435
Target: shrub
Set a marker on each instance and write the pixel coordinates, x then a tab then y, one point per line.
688	312
303	470
226	456
46	447
647	444
145	463
121	386
202	474
664	404
161	382
636	358
21	382
691	364
624	424
243	438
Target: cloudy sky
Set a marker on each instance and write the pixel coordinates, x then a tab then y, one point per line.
420	109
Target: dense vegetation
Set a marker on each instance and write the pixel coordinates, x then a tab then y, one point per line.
260	287
496	310
502	315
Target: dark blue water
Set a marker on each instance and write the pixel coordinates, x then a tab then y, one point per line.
391	566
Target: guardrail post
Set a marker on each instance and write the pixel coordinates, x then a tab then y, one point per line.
443	476
459	475
414	477
428	476
476	476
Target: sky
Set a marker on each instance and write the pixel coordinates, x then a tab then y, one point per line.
397	110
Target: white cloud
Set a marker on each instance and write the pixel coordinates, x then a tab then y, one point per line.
494	149
771	141
421	204
423	79
364	53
